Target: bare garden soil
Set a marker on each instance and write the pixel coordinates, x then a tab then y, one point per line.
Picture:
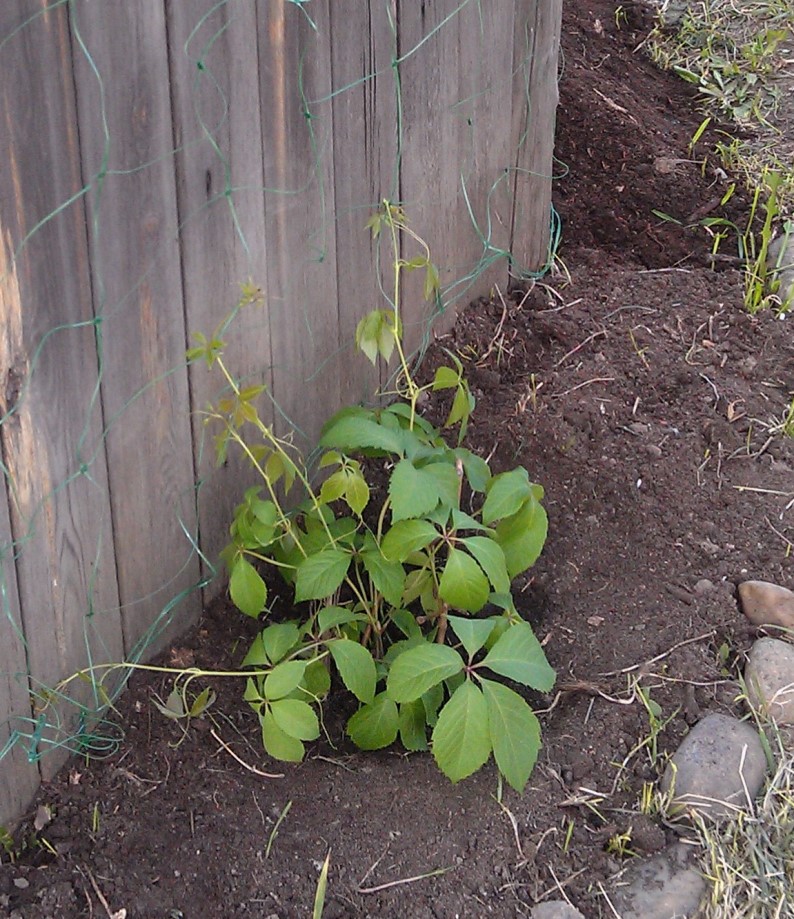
640	395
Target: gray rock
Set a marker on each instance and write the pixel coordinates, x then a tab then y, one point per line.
769	677
780	266
666	886
767	604
718	765
704	586
555	909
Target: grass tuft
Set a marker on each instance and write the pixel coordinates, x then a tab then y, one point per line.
749	860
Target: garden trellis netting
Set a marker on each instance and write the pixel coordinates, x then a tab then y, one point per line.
158	155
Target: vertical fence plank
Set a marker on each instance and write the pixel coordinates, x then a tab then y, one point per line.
536	53
20	778
454	144
51	443
365	157
297	138
485	189
125	124
215	90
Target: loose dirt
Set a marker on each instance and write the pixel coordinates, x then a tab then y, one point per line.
641	396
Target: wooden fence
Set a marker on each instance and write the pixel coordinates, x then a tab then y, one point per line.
156	155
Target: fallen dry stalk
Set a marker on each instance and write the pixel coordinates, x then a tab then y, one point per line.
234	756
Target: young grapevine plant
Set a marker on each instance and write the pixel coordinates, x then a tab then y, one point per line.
402	590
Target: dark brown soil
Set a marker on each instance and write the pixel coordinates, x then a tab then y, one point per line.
640	396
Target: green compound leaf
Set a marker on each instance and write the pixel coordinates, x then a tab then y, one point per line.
252	693
279	639
447	482
265	512
473	633
295	718
319	575
522	536
445	378
413	492
256	656
514	732
506	493
463	584
419	669
374	726
368	333
316	681
405	537
519	656
333	487
388	577
476	469
353	429
356	667
282	679
413	723
357	492
279	744
330	617
431	702
375	335
461	741
247	589
492	561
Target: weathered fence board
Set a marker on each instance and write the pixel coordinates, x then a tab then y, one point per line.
51	440
297	139
20	777
215	80
535	57
455	144
135	262
158	156
366	170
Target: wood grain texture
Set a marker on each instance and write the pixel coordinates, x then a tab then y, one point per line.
365	172
51	434
124	113
453	146
20	777
535	59
297	139
217	118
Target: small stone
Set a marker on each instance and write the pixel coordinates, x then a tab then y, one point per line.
704	586
638	428
663	887
555	909
718	764
769	676
653	451
21	883
767	604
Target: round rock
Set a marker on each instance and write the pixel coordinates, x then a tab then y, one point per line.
767	604
719	763
666	886
769	675
555	909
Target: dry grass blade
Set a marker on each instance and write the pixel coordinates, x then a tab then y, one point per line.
750	860
401	881
243	763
